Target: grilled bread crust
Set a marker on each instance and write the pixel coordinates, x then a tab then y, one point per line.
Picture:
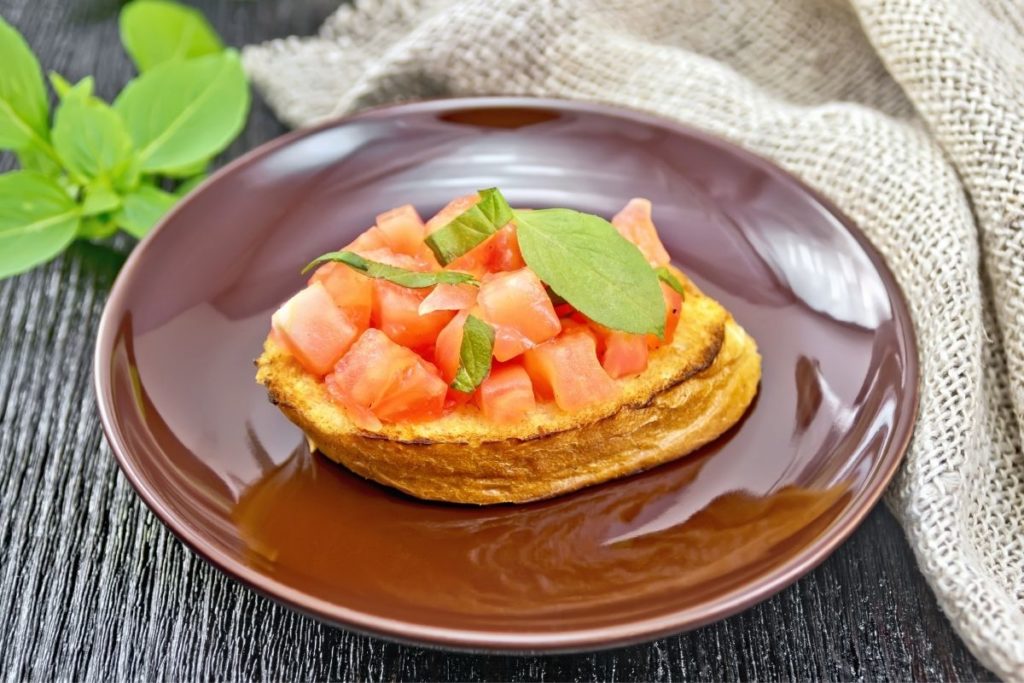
692	391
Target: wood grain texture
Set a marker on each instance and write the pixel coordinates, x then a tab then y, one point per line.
93	587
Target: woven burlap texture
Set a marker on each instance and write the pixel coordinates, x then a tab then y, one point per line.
909	114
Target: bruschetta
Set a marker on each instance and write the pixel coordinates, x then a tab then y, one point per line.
462	359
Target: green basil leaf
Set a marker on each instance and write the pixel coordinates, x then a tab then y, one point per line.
34	159
64	88
182	112
471	227
158	31
474	355
100	199
412	279
187	171
37	220
24	109
91	139
190	184
669	278
142	209
96	228
585	260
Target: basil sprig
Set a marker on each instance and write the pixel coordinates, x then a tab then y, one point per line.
471	227
474	355
669	278
581	258
585	260
114	166
413	279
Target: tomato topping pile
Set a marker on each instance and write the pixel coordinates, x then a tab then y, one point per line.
389	349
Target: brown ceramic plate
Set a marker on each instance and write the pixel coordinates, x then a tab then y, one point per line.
645	556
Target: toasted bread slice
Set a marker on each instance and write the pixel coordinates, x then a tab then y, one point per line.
692	391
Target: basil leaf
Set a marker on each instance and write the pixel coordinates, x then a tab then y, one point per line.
157	31
37	220
34	159
474	355
412	279
64	88
585	260
182	112
24	109
190	184
142	209
471	227
91	139
189	170
96	228
669	278
100	199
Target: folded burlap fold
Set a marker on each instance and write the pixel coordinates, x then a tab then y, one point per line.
909	114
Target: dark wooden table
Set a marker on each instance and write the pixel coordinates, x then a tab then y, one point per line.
93	587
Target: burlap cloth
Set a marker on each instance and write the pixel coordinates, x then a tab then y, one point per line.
909	114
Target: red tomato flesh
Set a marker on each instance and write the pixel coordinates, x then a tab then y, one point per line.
506	395
371	238
566	369
635	224
449	298
499	252
517	306
624	354
451	211
313	329
448	347
380	379
396	312
673	308
351	292
402	229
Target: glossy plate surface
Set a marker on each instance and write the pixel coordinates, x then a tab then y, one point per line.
659	552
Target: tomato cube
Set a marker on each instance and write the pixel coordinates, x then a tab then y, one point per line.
313	329
506	395
516	304
624	354
351	291
566	369
673	308
449	298
380	379
635	224
451	211
396	312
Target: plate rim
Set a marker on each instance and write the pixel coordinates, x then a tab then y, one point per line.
620	634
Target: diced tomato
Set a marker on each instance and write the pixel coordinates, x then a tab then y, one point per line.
351	292
393	258
517	306
635	224
448	347
564	310
506	395
447	352
624	354
449	298
499	252
673	307
451	211
380	379
403	229
371	238
396	312
313	329
566	369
